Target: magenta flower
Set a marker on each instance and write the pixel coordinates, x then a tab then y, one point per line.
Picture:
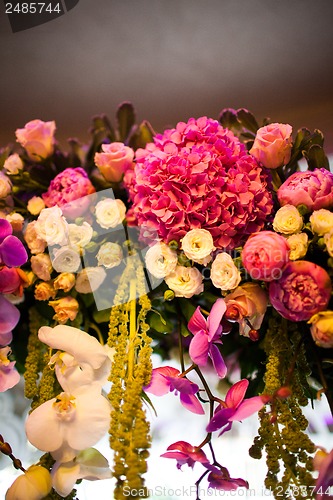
10	280
9	376
207	333
12	251
185	453
69	190
9	317
324	463
166	379
303	290
199	175
221	480
264	255
235	408
312	189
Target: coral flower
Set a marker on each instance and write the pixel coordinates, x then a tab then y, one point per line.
207	334
166	379
235	408
185	453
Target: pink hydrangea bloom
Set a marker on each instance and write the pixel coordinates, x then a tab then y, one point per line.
71	188
199	175
312	189
303	290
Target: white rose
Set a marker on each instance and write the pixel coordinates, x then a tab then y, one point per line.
16	221
66	260
298	244
13	164
224	274
321	221
52	227
288	220
35	205
35	244
5	185
80	236
90	279
198	245
41	265
328	239
185	281
161	260
109	255
110	213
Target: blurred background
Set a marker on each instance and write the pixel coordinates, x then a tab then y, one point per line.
173	59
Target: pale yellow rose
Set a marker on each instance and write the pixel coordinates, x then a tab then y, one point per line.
5	185
109	255
65	309
37	139
321	221
90	279
65	282
288	220
13	164
110	213
185	281
35	205
16	221
322	329
328	239
224	274
198	245
161	260
298	244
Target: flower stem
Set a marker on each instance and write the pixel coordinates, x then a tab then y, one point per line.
132	329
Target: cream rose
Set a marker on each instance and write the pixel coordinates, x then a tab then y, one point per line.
35	205
41	265
328	239
80	236
90	279
321	221
114	160
13	164
288	220
5	185
52	227
66	260
36	245
65	282
185	281
37	139
109	255
298	244
110	213
272	145
224	274
161	260
198	245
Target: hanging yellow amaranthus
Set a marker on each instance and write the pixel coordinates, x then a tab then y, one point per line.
131	370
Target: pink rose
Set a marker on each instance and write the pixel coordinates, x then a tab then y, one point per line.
303	290
115	159
264	255
69	190
37	139
272	145
312	189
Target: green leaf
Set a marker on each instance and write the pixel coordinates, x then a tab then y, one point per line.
187	308
102	316
158	323
185	332
228	119
4	153
247	119
101	130
125	120
147	400
316	158
142	135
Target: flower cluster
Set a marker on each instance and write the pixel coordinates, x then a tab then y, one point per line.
208	239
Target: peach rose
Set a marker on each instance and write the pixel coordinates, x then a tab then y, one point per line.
44	291
65	309
114	160
272	145
65	282
42	267
34	242
37	139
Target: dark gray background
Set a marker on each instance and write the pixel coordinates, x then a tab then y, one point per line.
173	59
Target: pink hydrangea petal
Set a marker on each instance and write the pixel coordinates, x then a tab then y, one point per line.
236	393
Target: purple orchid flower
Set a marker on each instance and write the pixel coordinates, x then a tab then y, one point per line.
207	333
325	478
235	408
9	317
221	480
12	251
166	379
9	376
185	453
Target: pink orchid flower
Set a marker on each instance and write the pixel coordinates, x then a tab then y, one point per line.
221	480
9	376
185	453
207	333
323	462
9	317
235	408
166	379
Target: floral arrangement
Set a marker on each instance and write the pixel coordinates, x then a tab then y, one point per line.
209	243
